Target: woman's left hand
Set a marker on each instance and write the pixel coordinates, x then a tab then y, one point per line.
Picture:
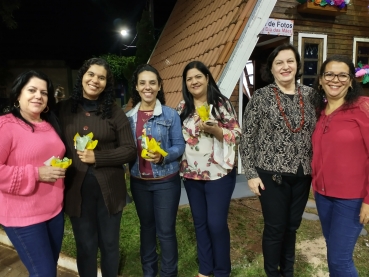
212	129
364	214
154	157
87	156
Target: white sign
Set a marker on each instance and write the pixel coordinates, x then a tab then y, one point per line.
278	27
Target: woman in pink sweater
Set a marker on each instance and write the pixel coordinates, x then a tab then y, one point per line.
340	162
31	194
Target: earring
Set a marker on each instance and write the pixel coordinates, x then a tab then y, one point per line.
46	109
16	105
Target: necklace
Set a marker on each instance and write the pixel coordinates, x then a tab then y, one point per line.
301	104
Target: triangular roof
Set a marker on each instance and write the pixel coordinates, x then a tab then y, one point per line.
214	32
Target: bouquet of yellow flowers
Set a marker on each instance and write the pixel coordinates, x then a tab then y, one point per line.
85	142
151	144
56	162
204	114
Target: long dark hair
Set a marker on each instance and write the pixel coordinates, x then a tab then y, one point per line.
135	95
214	96
16	90
353	92
106	99
266	74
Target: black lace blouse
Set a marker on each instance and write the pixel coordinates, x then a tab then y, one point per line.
267	143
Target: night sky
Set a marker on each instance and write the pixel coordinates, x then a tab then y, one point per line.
75	30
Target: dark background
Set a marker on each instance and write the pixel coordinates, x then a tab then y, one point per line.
76	30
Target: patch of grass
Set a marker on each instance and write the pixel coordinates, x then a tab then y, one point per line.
246	226
361	255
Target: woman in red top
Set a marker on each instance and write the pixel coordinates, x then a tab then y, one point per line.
340	161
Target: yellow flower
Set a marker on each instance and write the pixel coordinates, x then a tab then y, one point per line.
203	112
85	142
152	145
64	163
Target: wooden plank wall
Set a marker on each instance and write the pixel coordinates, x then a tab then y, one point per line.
340	30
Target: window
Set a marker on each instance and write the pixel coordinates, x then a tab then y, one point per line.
361	51
361	54
312	49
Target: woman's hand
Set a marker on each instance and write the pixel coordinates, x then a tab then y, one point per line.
50	173
154	157
211	129
364	213
254	185
87	156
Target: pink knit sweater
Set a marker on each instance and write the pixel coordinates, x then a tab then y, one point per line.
24	200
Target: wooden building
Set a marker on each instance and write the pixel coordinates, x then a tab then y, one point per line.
234	37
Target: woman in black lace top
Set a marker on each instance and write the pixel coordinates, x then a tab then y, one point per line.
276	154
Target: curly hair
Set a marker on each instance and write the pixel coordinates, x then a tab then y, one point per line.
266	74
16	91
353	93
106	99
214	96
136	98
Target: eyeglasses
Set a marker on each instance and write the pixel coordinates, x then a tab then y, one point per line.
342	77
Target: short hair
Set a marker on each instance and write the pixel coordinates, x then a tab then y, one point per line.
267	75
106	99
353	92
135	95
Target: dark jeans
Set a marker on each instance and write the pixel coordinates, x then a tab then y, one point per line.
157	205
209	202
94	229
340	220
282	206
39	245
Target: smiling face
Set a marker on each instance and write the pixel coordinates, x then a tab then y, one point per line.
335	89
147	87
94	82
33	99
197	83
284	68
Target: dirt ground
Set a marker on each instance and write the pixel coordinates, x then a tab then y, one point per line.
250	246
315	253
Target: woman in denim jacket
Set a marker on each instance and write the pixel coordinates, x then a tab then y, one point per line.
155	181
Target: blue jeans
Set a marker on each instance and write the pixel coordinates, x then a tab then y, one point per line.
209	202
39	245
341	227
157	205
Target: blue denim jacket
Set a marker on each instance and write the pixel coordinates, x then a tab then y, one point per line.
165	126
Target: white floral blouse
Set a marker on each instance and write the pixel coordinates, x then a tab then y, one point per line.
205	157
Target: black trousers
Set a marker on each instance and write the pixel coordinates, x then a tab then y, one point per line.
96	228
282	207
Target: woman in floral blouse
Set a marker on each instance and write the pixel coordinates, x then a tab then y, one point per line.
207	165
276	155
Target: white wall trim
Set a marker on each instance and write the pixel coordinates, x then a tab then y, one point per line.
308	35
240	116
245	46
357	39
